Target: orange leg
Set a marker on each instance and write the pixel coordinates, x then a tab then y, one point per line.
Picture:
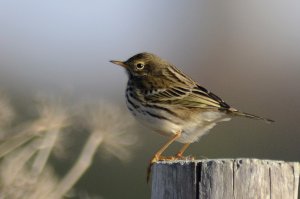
158	157
182	150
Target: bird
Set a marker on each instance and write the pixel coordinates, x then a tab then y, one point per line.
163	98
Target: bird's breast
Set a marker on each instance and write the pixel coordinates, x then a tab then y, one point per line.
156	117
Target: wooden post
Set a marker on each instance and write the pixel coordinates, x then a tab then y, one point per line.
225	179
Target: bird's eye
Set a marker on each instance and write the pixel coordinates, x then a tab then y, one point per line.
140	66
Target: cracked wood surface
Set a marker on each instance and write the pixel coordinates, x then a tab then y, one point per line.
225	179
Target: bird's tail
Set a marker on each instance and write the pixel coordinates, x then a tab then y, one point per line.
248	115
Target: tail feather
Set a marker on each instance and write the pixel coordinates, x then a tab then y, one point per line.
248	115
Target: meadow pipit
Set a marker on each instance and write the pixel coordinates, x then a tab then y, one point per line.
169	102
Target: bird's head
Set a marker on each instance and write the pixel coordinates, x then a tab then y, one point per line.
143	65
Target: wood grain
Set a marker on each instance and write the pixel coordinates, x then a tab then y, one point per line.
225	179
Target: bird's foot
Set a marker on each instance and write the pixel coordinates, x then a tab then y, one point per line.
155	159
179	156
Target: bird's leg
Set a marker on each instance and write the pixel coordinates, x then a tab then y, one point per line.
158	157
179	155
182	150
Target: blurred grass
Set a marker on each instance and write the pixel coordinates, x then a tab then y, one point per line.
25	167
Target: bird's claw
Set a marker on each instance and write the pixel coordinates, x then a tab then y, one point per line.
179	156
157	158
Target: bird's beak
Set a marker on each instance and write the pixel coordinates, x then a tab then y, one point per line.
120	63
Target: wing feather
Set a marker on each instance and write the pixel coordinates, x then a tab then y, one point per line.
194	96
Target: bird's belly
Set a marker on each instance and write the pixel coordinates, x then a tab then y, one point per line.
166	124
193	130
157	121
159	125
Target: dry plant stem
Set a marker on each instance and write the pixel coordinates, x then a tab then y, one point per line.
17	159
47	145
81	165
11	144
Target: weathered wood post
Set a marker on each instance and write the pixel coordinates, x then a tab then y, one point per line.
225	179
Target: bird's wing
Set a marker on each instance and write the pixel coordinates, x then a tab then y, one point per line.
190	97
195	97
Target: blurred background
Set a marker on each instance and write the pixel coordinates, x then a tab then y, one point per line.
247	52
